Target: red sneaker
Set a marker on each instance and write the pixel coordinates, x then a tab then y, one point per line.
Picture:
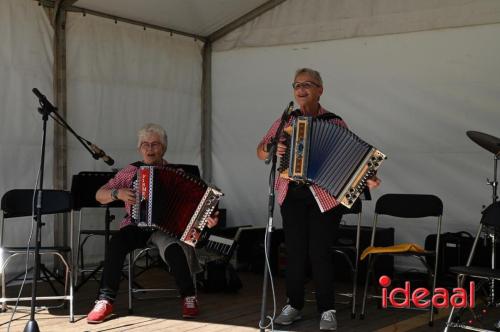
102	310
190	307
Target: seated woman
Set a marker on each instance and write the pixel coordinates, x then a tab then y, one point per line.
152	145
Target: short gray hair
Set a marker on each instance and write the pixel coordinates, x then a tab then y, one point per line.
311	72
152	128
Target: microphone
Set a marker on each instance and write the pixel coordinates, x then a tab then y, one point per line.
98	153
43	100
288	111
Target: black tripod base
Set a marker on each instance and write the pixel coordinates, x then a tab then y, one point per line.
32	326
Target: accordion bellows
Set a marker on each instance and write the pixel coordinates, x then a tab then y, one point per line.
173	201
331	157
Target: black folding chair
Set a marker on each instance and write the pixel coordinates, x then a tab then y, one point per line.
350	252
18	203
407	206
84	186
490	226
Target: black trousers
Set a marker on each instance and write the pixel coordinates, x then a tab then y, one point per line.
128	239
309	234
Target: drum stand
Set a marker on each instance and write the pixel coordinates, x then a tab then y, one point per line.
494	186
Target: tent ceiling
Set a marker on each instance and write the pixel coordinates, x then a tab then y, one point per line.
197	17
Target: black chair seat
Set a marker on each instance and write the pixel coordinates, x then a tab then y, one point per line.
476	271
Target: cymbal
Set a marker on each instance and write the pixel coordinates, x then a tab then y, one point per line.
490	143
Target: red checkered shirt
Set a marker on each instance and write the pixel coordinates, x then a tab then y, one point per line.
124	179
323	198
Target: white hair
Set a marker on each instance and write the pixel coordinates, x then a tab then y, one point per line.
152	128
311	72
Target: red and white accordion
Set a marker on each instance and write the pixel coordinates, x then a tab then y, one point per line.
173	201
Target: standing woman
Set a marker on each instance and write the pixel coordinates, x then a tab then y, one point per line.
311	216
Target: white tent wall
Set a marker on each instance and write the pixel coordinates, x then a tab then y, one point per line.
120	77
412	95
26	58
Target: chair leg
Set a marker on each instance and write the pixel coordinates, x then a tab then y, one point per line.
130	280
356	267
354	290
365	292
4	304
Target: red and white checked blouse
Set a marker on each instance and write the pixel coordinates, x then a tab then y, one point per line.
323	198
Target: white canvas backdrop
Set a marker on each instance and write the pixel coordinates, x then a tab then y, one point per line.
120	77
25	63
412	95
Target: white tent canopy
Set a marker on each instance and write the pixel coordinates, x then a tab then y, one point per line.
410	77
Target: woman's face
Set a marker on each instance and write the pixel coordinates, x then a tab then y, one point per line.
151	149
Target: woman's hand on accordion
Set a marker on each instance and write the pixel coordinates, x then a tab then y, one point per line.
280	151
127	195
213	220
373	182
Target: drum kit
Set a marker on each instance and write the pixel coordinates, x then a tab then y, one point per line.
492	144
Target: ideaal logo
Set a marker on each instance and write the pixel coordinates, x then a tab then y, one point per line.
404	297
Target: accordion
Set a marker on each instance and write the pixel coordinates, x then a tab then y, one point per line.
329	156
174	202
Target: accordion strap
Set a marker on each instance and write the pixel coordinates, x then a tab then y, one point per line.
329	116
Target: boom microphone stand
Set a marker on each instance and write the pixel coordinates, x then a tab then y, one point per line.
273	159
46	109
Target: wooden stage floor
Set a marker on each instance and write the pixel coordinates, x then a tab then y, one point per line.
219	312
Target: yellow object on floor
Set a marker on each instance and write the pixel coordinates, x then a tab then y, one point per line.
402	247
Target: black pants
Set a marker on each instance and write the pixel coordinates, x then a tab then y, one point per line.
309	234
128	239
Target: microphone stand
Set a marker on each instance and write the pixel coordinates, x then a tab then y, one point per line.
45	109
270	209
86	144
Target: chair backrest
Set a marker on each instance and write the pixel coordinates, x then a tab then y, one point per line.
19	202
491	215
409	205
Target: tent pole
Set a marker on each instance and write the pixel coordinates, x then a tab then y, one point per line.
206	113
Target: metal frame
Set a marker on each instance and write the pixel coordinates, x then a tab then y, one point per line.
132	260
68	284
461	279
429	269
354	267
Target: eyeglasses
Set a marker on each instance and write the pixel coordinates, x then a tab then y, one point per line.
152	145
304	85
